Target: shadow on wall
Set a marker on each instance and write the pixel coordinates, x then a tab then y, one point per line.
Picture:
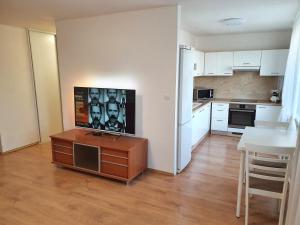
0	144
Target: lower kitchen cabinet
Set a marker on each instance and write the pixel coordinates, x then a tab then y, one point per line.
267	113
219	116
200	123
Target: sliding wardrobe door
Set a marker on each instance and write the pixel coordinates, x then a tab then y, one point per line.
18	116
46	80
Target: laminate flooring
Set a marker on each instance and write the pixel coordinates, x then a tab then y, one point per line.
35	192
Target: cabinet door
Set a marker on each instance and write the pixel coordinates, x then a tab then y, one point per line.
210	66
225	63
194	129
207	118
200	63
267	113
273	62
247	58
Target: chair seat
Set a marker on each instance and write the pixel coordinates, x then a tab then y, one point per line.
273	186
269	164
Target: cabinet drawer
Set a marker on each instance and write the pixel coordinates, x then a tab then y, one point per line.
61	148
114	159
114	152
64	143
220	113
114	169
219	124
63	158
220	106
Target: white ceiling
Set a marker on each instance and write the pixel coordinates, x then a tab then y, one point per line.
198	16
203	16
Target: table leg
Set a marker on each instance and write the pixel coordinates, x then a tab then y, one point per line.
240	184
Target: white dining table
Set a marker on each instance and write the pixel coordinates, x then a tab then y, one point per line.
261	136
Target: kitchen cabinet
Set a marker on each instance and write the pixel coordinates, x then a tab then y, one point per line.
198	63
246	58
200	123
224	63
210	64
273	62
219	116
218	63
267	113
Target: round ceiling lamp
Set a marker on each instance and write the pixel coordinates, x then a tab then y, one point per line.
233	21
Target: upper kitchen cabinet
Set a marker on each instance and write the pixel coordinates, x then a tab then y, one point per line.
224	63
218	63
246	58
210	68
198	63
273	62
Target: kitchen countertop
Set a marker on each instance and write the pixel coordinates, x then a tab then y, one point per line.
200	103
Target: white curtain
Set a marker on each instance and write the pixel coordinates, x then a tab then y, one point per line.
293	210
291	110
291	84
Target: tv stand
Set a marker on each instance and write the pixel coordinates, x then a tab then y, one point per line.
118	157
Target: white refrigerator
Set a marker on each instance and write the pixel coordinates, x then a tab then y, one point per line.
185	102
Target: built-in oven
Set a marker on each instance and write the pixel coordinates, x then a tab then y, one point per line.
241	115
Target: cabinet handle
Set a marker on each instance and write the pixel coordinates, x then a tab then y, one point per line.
274	73
220	110
219	120
211	73
227	73
246	63
262	107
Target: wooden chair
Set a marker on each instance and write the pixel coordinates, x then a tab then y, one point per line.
267	175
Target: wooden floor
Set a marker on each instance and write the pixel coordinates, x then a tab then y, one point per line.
35	192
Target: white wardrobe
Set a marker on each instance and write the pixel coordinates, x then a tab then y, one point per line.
30	108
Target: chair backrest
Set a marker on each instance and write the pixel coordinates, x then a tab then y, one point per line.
269	160
269	124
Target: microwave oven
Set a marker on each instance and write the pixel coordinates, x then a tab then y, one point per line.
202	93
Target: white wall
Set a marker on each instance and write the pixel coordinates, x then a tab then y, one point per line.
247	41
18	119
136	50
186	38
43	48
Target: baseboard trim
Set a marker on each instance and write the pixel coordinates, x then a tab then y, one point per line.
161	172
18	149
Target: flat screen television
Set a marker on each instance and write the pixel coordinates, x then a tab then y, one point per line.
105	109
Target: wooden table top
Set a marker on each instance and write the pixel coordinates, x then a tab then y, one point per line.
106	141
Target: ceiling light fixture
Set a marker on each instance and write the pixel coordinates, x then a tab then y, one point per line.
233	21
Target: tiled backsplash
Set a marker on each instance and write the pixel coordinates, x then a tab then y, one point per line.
247	85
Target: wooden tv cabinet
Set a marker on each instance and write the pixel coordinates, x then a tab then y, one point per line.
118	157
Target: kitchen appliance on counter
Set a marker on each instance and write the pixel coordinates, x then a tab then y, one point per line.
240	116
275	96
202	93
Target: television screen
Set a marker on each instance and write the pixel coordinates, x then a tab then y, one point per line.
105	109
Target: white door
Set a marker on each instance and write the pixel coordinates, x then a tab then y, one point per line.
225	63
185	86
246	58
273	62
210	64
44	60
18	120
184	146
